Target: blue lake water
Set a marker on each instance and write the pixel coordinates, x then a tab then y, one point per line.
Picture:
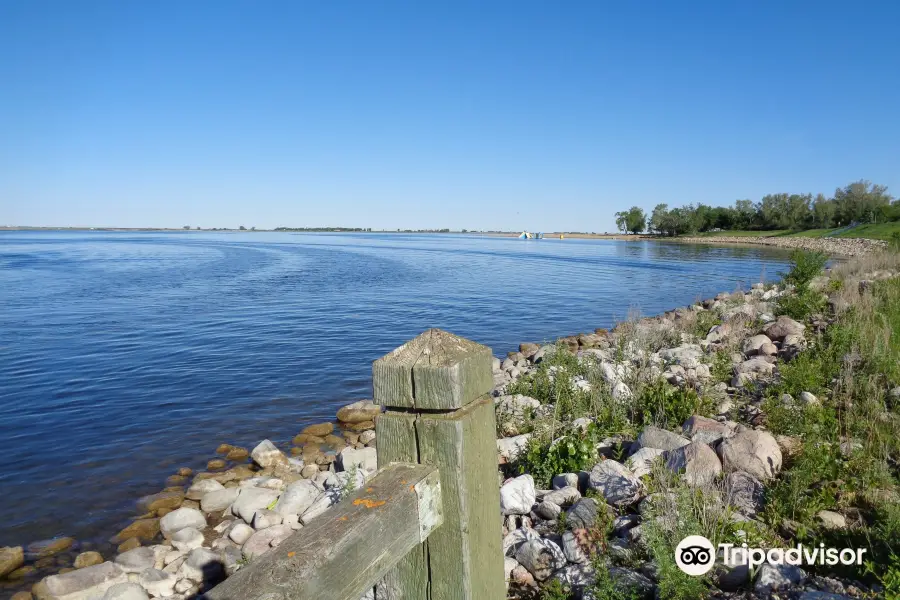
124	356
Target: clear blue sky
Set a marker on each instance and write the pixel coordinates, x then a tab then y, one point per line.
507	114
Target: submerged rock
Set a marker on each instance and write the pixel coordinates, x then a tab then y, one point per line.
11	558
45	548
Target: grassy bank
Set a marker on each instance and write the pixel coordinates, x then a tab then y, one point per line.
832	403
879	231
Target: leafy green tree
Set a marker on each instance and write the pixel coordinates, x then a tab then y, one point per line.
823	212
658	219
634	220
745	217
861	202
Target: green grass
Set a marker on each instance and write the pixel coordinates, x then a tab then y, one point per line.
849	367
811	233
879	231
740	233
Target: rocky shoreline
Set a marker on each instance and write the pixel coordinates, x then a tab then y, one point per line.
832	246
203	527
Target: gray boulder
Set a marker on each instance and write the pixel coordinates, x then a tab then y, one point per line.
572	549
517	495
541	557
808	398
219	499
202	566
615	482
744	492
158	584
137	560
576	576
297	497
755	366
126	591
515	538
565	480
364	459
509	449
697	461
515	406
654	437
563	496
718	333
703	429
755	452
200	488
831	520
240	533
751	345
686	355
187	539
641	461
181	518
782	327
325	501
89	582
267	455
582	514
770	578
547	510
262	541
252	499
632	584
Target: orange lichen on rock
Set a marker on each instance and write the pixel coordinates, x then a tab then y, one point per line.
368	503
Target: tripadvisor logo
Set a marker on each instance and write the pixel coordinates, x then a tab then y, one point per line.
695	555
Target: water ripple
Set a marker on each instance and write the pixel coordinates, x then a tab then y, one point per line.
126	355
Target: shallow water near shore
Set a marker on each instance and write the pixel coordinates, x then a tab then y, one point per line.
124	356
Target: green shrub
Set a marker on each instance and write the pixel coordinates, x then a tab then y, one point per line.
805	266
666	524
568	454
605	588
802	301
553	383
721	368
706	319
668	406
894	241
800	304
556	590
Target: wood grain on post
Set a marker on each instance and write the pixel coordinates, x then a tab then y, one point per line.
435	370
463	559
345	551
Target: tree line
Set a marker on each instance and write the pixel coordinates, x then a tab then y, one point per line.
858	202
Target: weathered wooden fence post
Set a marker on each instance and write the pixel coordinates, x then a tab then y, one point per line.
439	412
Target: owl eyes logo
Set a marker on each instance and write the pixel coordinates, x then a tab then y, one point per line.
695	555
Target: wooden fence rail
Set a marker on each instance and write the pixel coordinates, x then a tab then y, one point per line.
427	526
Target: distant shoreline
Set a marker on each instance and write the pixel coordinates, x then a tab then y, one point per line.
831	246
553	235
